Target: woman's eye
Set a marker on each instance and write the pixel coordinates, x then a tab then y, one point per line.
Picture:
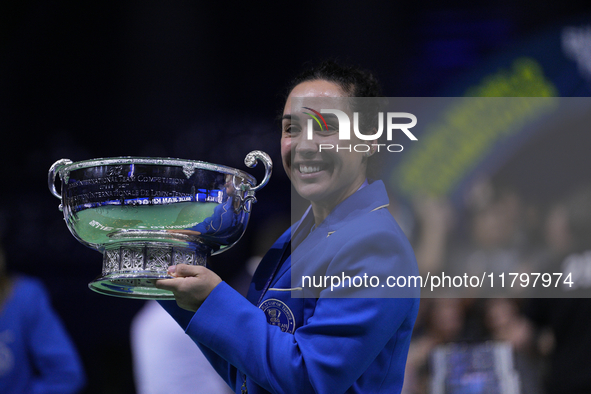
328	131
291	129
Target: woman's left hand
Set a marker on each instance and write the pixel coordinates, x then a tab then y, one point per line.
191	284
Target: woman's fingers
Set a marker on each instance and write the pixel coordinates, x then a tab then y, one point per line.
184	270
191	284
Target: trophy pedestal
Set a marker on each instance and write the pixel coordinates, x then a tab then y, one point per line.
130	269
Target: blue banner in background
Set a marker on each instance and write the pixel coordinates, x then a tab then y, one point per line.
470	138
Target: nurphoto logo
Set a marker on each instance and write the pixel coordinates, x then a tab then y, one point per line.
345	130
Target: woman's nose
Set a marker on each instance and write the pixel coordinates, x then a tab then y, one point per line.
305	146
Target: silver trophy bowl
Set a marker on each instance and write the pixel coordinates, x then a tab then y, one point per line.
146	214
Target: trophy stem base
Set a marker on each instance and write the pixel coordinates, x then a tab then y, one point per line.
130	269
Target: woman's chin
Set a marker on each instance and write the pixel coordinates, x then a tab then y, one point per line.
313	193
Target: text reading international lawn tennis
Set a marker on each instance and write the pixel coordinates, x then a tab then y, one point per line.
441	280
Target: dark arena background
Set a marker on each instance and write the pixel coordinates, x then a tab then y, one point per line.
206	81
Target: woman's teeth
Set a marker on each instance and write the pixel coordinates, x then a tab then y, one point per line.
309	169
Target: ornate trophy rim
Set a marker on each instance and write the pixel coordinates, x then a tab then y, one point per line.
188	166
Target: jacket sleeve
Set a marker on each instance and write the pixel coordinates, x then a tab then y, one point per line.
333	347
326	355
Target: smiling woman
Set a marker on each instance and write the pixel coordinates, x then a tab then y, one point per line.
324	178
282	338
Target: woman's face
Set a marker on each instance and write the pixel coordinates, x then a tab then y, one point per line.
324	177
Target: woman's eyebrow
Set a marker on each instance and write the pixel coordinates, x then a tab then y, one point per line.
290	118
331	117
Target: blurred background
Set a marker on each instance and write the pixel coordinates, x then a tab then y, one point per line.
206	81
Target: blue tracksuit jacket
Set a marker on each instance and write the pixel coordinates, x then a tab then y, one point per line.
279	340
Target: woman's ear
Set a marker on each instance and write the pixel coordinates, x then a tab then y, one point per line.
373	145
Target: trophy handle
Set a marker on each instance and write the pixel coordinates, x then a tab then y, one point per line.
251	160
53	170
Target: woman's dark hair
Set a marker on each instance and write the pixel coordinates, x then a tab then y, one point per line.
356	82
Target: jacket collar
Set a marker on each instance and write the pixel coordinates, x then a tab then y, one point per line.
365	200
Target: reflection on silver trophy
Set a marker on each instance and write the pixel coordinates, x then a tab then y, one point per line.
145	214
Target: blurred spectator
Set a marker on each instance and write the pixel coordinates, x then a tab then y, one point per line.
496	240
444	320
568	239
436	219
505	322
36	354
166	360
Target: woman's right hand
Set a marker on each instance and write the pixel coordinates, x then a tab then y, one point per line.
191	284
